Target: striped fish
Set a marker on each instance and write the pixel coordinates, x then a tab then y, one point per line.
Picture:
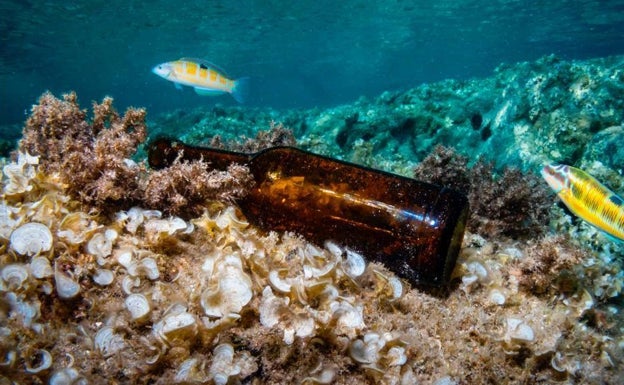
205	77
587	198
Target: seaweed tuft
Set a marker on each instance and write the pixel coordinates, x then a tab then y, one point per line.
276	135
184	188
445	167
543	269
513	204
94	160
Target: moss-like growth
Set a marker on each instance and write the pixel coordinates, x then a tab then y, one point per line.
543	269
184	188
445	167
276	135
93	159
513	204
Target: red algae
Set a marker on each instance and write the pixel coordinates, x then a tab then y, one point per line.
94	159
513	204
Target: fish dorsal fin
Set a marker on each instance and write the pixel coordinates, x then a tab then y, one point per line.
206	63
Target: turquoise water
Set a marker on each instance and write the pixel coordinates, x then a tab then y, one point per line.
536	293
304	54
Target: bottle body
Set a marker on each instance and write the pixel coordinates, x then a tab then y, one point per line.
412	227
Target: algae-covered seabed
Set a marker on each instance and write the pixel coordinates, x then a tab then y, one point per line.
137	276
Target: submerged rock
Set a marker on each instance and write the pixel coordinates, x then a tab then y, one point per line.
523	115
606	147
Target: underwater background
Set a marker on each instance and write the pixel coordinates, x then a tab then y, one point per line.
114	272
301	54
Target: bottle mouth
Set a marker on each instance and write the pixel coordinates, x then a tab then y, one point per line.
455	243
451	224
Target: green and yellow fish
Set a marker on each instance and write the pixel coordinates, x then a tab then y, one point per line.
587	198
205	78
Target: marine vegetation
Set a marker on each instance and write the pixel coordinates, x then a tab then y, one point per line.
99	286
277	135
513	203
93	159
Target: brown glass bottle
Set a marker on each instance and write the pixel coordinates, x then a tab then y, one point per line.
412	227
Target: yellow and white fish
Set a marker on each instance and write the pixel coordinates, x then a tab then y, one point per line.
205	77
587	198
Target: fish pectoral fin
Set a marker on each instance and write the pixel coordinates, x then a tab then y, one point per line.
207	91
178	86
612	237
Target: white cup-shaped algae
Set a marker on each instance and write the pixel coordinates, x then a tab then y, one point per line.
14	275
497	297
518	330
42	361
392	284
147	267
223	365
395	356
9	359
76	227
108	342
103	277
378	350
101	244
138	306
366	349
40	268
280	284
31	239
66	286
135	218
129	283
176	323
354	265
272	308
191	371
158	230
124	256
67	376
349	318
230	290
26	310
324	376
229	219
19	175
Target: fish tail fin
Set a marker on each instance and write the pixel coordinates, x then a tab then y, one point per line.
240	92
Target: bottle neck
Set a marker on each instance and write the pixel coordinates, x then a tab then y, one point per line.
163	152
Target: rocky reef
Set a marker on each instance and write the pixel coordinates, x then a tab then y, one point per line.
112	272
525	114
